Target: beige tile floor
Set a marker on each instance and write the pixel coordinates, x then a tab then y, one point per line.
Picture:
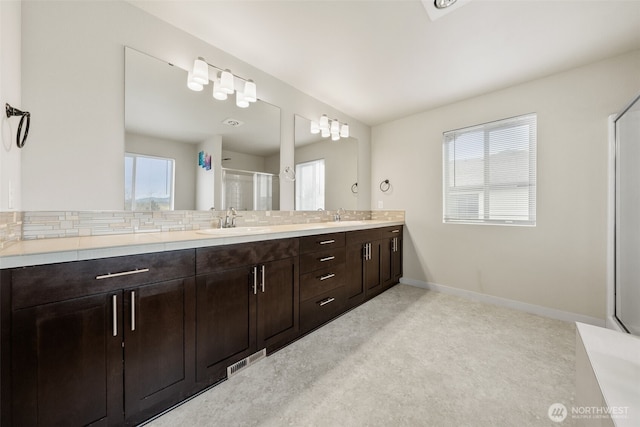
409	357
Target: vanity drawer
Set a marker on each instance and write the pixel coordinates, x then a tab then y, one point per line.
43	284
219	258
362	236
390	232
321	259
320	281
316	311
321	242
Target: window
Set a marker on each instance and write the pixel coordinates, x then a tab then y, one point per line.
310	185
490	173
148	183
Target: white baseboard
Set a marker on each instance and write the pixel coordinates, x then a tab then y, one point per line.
504	302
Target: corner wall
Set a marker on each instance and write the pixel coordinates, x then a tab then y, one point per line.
559	264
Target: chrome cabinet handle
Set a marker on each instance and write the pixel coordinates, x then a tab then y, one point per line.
133	310
262	268
255	280
326	301
326	242
124	273
327	258
395	231
114	305
327	276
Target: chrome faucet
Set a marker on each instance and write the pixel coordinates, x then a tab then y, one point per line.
230	218
338	215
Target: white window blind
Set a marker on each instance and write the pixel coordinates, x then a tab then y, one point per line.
490	173
310	185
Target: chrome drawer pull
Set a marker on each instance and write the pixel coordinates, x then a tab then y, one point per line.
133	310
327	301
327	258
114	300
326	242
395	231
124	273
328	276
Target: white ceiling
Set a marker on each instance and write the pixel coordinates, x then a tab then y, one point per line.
378	60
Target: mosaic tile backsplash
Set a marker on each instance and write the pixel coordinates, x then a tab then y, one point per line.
54	224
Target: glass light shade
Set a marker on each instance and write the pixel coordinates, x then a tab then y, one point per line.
344	131
335	127
335	136
250	91
226	82
241	101
217	93
324	122
442	4
192	84
315	128
325	133
200	71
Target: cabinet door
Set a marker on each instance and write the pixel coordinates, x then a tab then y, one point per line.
67	357
278	296
225	321
354	277
396	260
159	339
372	279
386	261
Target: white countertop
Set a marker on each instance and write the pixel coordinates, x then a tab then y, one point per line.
49	251
615	360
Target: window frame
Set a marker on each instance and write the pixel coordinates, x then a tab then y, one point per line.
172	179
485	189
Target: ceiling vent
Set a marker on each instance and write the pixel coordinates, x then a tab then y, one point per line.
232	122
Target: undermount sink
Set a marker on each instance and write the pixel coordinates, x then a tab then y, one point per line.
234	230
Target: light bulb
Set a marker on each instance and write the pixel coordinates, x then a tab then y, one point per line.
226	82
344	131
192	84
217	92
315	128
200	71
324	122
335	126
250	91
241	102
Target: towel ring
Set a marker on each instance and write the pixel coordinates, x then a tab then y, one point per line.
385	186
10	111
354	188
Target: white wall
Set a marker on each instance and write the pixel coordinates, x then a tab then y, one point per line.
186	163
10	154
73	82
560	263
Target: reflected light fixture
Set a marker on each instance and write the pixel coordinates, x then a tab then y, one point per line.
329	128
224	83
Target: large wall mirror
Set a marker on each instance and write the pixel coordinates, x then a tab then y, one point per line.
326	170
187	151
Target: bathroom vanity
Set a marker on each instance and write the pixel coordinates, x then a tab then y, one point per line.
115	340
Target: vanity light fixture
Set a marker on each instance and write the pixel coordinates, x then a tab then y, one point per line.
330	128
225	83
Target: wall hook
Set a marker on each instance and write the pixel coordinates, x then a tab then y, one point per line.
385	186
23	114
354	188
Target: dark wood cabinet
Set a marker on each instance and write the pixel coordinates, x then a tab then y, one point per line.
106	358
67	363
159	357
247	300
373	262
322	290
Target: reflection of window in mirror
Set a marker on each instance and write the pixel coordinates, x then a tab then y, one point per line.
148	183
310	185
